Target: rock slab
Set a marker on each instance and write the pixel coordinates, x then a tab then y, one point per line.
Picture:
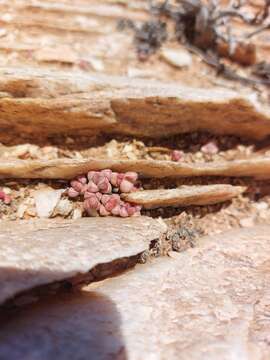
34	253
211	302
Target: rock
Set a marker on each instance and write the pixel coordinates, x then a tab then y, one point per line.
177	155
179	58
77	214
25	300
210	302
261	205
62	54
210	148
247	222
63	207
96	64
184	195
258	167
21	210
46	201
128	106
39	252
140	73
3	32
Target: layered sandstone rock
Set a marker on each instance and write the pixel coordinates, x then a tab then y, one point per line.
68	103
257	167
206	303
184	196
40	252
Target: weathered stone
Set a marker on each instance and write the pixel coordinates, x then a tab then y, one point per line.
63	208
39	252
62	168
46	201
184	196
177	57
66	102
210	302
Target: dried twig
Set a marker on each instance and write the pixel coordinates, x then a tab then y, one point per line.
207	29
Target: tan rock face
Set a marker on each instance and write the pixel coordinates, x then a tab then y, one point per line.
65	103
39	252
210	302
184	196
258	167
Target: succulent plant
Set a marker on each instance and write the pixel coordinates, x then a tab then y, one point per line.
101	191
4	197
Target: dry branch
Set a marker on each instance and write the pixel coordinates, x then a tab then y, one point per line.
258	167
50	103
40	252
184	196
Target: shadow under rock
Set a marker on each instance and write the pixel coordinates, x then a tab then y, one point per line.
78	326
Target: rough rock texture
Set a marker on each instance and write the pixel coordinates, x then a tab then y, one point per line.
39	252
258	167
180	58
46	201
62	102
184	196
211	302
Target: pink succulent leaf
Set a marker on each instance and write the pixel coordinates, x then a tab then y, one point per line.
131	176
114	177
210	148
116	210
131	210
92	187
117	197
120	178
7	200
107	173
91	203
76	185
84	188
2	195
177	155
126	186
88	195
123	211
82	179
97	177
105	198
99	195
90	175
73	193
103	211
104	186
111	204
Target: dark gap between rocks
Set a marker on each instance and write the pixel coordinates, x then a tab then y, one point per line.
69	285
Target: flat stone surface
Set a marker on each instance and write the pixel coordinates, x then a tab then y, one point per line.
184	195
258	168
39	252
47	102
210	302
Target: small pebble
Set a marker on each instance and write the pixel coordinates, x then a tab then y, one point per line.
177	155
247	222
210	148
